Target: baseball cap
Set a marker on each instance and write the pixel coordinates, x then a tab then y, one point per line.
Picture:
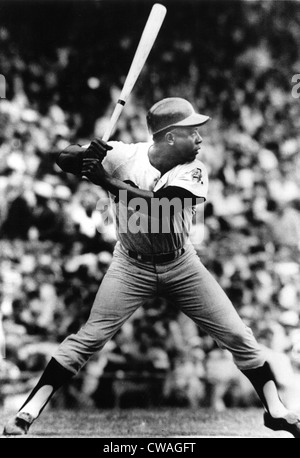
173	112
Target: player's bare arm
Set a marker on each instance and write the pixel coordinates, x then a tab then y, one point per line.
80	161
93	169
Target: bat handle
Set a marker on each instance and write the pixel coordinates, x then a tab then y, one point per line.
113	120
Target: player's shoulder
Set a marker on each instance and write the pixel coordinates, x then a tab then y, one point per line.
194	164
124	154
190	167
191	176
129	148
194	172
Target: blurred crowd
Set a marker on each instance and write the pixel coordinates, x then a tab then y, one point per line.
55	246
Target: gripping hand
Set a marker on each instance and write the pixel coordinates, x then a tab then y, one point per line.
97	150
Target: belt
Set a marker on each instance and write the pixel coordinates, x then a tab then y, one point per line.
156	258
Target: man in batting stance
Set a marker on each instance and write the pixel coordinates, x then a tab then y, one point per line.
156	259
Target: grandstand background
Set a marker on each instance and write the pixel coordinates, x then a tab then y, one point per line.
64	64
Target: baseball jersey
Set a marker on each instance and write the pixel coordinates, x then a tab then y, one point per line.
162	226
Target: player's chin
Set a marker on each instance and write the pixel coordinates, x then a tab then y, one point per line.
193	156
190	157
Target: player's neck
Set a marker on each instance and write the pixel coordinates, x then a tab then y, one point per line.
160	159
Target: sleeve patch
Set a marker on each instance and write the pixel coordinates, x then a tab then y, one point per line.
197	175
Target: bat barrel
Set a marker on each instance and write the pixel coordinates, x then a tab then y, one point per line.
150	32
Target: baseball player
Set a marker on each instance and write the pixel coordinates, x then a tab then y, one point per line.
153	256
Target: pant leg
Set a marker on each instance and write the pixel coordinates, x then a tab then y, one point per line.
124	288
196	292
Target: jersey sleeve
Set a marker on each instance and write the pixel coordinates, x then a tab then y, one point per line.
193	177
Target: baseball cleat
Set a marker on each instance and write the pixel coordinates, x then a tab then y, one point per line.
19	425
289	423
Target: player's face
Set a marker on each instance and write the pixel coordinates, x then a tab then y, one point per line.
187	143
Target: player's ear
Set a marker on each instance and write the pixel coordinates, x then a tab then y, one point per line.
169	138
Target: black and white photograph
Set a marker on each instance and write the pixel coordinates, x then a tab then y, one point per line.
149	222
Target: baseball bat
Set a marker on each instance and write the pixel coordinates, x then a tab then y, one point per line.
150	32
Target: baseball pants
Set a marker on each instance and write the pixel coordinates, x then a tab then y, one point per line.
129	283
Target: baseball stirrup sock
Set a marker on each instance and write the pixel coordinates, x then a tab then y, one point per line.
53	377
259	377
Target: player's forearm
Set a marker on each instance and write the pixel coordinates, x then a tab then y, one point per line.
115	187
